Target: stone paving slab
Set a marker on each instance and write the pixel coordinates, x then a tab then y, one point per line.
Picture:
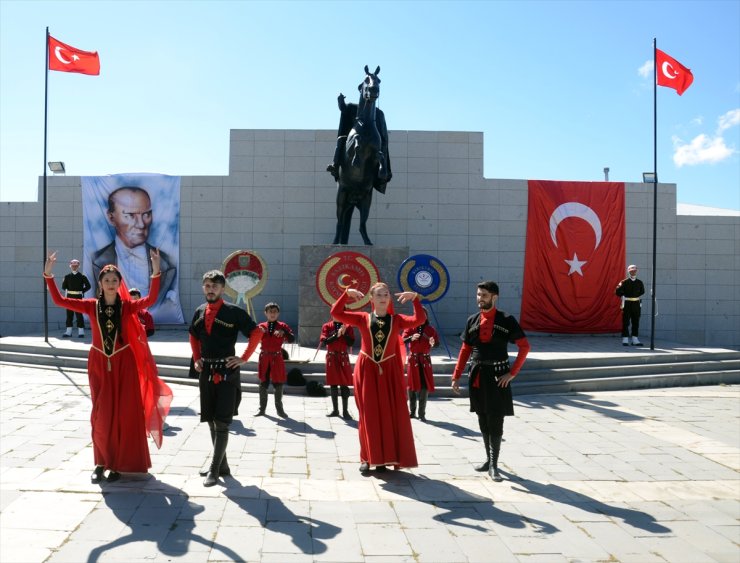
623	476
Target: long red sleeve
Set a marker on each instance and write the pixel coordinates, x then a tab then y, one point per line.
523	345
462	359
195	347
254	340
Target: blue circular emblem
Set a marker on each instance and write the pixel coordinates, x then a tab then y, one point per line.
425	275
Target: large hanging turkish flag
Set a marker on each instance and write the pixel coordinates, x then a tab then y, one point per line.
575	257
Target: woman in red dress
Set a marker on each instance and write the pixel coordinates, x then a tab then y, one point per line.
129	400
384	425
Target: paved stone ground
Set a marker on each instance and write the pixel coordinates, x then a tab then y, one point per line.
621	476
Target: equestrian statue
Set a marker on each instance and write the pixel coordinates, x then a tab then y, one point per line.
361	160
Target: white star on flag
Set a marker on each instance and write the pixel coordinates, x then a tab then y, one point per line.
575	265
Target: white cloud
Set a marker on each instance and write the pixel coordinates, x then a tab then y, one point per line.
729	119
646	70
705	149
701	150
697	120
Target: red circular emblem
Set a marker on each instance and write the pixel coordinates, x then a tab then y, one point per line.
246	274
342	270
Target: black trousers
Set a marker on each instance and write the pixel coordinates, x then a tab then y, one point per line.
71	314
631	316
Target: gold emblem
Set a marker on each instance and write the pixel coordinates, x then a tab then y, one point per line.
109	311
379	336
378	350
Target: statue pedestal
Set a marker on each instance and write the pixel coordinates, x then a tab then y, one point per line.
312	311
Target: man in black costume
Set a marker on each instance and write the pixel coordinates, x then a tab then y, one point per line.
630	289
213	333
76	285
486	336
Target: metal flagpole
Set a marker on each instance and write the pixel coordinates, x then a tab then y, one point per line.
655	191
46	112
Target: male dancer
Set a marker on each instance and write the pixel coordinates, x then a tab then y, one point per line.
213	333
486	336
272	364
419	374
338	337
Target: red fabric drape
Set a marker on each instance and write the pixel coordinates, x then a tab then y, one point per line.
575	256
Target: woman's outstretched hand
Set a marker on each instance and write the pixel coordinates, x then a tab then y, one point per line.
49	264
154	255
405	296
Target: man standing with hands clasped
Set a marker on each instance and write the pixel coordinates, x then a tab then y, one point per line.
486	337
630	289
213	333
76	285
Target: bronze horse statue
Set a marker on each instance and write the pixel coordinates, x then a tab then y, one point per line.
361	160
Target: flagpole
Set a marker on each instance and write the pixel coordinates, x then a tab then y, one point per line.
655	191
46	112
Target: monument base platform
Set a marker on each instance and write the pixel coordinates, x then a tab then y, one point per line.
312	310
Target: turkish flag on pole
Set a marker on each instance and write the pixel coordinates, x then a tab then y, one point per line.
64	58
574	258
671	73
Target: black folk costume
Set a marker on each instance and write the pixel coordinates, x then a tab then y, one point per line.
485	342
631	289
76	285
213	334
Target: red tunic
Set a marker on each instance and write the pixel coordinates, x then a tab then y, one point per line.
118	418
338	366
384	426
271	354
419	359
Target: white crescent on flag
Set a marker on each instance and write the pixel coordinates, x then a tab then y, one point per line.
574	209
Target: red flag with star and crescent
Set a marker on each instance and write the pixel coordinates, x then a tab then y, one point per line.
671	73
574	257
65	58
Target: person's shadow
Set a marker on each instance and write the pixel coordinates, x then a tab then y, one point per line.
456	430
237	427
301	428
459	507
556	493
275	516
145	512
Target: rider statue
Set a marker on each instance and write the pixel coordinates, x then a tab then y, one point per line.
361	161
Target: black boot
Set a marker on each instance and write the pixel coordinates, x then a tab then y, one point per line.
334	401
423	395
493	467
279	400
345	401
225	469
333	168
487	443
219	451
263	398
412	404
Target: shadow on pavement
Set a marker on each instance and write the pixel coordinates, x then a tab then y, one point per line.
301	428
556	493
456	430
165	500
574	400
459	507
275	516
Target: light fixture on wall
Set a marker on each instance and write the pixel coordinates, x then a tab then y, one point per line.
649	178
57	167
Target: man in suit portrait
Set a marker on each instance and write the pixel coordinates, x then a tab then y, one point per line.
130	214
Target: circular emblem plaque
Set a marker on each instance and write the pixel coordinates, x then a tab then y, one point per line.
246	276
342	270
425	275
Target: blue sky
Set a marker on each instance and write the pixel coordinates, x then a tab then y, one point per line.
559	89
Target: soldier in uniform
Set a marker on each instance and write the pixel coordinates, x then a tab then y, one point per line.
419	374
213	333
272	363
338	337
630	289
76	285
486	336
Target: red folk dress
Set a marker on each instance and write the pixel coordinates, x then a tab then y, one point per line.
419	359
384	424
338	366
120	417
271	352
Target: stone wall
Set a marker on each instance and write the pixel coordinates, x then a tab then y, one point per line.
277	197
